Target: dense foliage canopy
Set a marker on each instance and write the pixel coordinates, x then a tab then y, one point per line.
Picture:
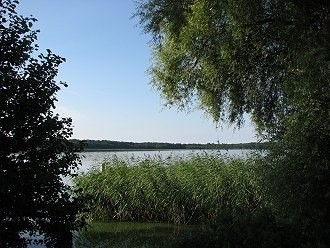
234	57
35	154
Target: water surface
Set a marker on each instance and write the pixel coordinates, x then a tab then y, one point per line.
128	234
95	158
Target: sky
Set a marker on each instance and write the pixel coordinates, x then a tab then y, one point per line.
109	95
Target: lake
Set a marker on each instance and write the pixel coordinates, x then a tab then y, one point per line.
94	159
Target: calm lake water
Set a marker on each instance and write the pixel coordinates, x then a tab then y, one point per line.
92	159
128	234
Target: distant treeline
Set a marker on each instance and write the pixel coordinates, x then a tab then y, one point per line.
120	145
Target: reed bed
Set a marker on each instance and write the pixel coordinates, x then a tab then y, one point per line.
175	190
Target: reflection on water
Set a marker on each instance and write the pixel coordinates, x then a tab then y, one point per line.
126	234
131	234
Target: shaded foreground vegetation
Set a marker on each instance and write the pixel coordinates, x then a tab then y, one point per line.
228	195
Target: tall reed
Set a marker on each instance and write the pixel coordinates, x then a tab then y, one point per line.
175	190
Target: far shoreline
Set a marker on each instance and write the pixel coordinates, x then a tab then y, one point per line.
119	146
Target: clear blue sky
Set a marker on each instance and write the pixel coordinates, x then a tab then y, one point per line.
109	95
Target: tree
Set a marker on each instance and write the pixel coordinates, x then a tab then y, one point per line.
234	57
35	154
270	59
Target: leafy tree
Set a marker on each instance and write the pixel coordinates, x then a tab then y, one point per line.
235	57
35	154
267	58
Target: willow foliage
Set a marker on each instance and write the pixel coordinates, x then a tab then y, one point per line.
235	57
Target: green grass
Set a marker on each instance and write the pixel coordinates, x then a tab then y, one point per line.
173	190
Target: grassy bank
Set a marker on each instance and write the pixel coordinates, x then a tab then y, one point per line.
174	190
